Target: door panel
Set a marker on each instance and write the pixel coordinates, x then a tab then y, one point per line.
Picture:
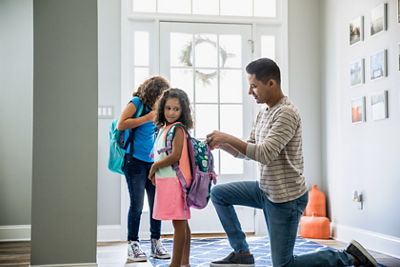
208	62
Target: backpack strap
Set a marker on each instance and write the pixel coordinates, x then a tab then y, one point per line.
137	114
168	148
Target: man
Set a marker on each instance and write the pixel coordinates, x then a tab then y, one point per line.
276	144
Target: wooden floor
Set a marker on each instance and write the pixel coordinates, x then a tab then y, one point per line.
112	254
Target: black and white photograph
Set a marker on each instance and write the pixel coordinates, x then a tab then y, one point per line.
356	30
357	72
379	106
378	19
378	65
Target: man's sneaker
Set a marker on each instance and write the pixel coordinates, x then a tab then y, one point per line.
135	252
235	259
158	251
361	255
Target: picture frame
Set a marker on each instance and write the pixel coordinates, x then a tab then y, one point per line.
357	72
356	30
378	65
358	110
379	106
398	11
378	19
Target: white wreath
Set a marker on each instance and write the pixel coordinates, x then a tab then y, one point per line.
185	58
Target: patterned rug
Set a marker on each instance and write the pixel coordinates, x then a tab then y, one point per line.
204	250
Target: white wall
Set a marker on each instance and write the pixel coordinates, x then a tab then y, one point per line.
16	107
361	156
109	34
305	79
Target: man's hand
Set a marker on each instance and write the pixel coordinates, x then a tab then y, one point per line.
216	138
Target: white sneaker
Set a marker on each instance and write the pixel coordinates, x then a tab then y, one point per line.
158	251
135	252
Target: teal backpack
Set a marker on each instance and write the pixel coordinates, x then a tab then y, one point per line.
119	142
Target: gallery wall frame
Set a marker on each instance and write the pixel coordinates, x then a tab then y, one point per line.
356	30
358	110
398	11
378	19
379	105
398	45
357	72
378	65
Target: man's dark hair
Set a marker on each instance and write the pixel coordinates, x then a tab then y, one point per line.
264	69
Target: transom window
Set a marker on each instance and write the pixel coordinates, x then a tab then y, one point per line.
241	8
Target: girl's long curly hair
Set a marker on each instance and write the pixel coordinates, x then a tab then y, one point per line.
151	89
186	115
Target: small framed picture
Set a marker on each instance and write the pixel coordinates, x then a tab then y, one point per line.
356	30
378	64
379	106
357	72
378	19
358	110
399	54
398	11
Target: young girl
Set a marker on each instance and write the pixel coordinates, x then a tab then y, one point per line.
169	200
137	163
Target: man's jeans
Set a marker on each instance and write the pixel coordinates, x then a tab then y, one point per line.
136	172
282	220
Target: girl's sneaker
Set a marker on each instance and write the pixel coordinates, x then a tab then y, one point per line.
135	252
158	251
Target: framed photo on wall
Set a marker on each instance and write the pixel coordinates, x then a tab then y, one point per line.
358	110
356	30
398	11
357	72
378	19
378	64
379	106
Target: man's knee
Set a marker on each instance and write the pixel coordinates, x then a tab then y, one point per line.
216	193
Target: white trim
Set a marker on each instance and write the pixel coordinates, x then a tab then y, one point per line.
203	18
15	233
23	233
107	233
389	245
67	265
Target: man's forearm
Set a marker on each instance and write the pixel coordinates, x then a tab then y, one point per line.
236	145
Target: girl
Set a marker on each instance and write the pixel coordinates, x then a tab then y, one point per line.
169	200
137	163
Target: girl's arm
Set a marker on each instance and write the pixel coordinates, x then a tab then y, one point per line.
127	122
174	156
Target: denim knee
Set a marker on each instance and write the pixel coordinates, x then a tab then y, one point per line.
215	194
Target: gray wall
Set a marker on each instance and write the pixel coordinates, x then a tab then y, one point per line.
16	89
64	174
360	156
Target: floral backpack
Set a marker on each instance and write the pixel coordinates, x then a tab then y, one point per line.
202	169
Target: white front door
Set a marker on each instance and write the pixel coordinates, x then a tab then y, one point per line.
208	62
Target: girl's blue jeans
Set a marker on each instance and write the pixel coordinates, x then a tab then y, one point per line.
282	221
136	173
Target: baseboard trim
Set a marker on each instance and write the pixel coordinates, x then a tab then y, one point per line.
15	233
105	233
389	245
108	233
67	265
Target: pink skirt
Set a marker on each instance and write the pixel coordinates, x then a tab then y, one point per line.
169	201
